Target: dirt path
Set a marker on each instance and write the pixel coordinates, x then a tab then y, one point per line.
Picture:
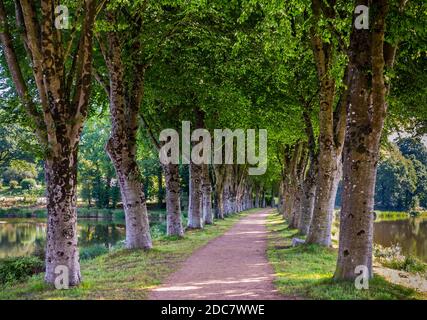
233	266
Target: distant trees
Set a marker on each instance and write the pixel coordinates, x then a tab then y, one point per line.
402	176
321	89
19	170
396	182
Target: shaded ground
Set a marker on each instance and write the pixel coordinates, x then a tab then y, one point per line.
233	266
125	274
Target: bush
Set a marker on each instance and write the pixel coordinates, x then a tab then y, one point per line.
91	252
28	184
18	269
393	258
13	184
1	183
408	264
18	170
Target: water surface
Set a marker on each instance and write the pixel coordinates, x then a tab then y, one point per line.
22	236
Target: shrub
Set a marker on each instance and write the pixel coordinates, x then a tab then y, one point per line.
87	253
18	269
408	264
18	170
393	258
13	184
28	184
1	183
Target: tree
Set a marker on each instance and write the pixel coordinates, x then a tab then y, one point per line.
367	112
61	65
396	182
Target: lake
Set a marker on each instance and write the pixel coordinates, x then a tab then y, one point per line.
21	236
409	233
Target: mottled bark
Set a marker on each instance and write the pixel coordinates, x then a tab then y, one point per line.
228	192
206	195
307	200
160	191
281	203
63	93
331	132
366	114
121	146
134	204
272	201
61	242
219	171
320	230
195	215
257	196
173	200
263	201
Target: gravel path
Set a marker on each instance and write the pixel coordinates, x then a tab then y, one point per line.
232	266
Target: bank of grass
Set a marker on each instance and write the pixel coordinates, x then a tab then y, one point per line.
392	215
306	271
125	274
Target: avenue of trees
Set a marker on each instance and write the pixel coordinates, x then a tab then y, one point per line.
89	103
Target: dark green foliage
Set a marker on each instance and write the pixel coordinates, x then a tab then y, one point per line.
28	184
18	269
396	183
13	184
87	253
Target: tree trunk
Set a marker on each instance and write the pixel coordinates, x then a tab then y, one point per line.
160	189
61	248
324	204
207	195
367	112
219	205
133	198
121	147
273	202
264	204
173	200
296	207
59	121
227	195
195	218
219	171
257	195
307	201
281	205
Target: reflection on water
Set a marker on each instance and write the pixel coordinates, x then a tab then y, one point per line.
21	237
410	234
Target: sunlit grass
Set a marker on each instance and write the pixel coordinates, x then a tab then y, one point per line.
306	271
125	274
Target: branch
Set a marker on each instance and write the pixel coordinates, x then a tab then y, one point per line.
17	77
150	132
102	81
84	62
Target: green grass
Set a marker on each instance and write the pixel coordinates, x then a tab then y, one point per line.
408	264
125	274
306	271
19	192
